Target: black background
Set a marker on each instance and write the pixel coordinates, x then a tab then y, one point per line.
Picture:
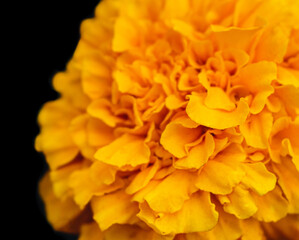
44	37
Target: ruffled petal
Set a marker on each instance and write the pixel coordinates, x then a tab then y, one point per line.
271	206
240	203
177	134
142	178
252	229
60	213
113	208
197	214
257	128
171	193
288	179
125	150
198	155
218	178
218	119
258	178
217	99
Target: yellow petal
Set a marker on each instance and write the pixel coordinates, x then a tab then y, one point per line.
257	75
227	228
126	84
218	119
198	155
198	214
287	76
132	232
125	35
142	178
257	128
240	203
288	179
125	150
113	208
218	177
217	99
252	229
234	37
260	99
59	212
272	45
289	95
172	192
85	187
258	178
175	136
91	231
271	206
101	109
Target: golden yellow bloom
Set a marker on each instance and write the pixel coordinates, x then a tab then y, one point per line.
178	120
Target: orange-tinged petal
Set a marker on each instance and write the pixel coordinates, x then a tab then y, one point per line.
288	179
113	208
101	109
85	187
240	203
125	150
218	119
218	177
227	228
252	229
198	155
272	45
287	76
271	206
289	95
59	212
132	232
60	178
217	99
172	192
175	136
125	35
128	85
91	231
234	37
260	99
197	214
142	178
258	178
257	128
257	75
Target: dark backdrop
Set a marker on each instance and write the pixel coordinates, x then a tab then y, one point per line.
47	33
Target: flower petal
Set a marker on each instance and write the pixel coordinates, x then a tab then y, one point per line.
142	178
218	119
125	150
218	178
172	192
288	179
258	178
217	99
198	155
177	134
197	214
91	231
59	212
113	208
271	206
252	229
240	203
257	128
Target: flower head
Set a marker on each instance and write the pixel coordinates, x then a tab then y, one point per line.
177	120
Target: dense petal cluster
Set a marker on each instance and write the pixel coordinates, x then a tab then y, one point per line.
177	120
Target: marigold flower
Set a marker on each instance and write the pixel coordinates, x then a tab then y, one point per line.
178	119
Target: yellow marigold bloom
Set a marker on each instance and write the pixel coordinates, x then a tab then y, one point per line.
177	120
